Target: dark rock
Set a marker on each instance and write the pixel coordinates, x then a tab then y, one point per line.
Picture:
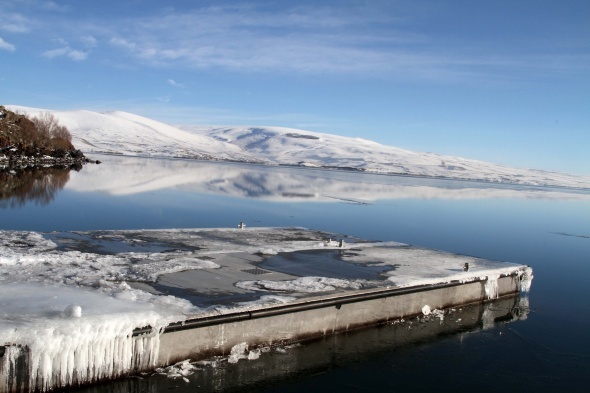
77	154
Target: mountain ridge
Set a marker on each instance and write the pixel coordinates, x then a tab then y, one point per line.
124	133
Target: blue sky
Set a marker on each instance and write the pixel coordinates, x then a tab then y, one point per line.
501	81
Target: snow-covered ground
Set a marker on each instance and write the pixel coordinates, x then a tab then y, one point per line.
128	134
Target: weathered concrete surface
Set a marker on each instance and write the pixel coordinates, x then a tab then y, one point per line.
307	320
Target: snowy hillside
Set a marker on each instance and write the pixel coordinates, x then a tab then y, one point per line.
128	134
296	147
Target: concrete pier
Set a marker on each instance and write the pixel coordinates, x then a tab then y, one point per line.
265	287
314	318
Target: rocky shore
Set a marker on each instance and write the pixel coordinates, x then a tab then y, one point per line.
16	159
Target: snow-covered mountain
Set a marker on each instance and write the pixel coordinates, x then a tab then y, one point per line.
128	134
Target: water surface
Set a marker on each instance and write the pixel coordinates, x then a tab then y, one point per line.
547	229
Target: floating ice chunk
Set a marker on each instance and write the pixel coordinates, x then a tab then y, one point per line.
426	310
440	314
73	311
238	352
253	354
179	370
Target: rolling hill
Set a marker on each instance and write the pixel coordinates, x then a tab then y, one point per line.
128	134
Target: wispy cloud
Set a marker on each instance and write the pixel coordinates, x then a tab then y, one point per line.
172	82
66	52
6	46
247	38
89	41
15	23
375	40
123	43
52	6
321	40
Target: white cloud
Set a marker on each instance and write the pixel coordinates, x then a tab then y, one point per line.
52	6
67	52
245	38
6	46
14	23
61	41
320	40
172	82
89	41
122	43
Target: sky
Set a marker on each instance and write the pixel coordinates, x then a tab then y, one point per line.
501	81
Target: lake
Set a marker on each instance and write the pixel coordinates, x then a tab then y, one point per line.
546	228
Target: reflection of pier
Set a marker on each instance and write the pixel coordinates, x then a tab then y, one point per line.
256	289
330	353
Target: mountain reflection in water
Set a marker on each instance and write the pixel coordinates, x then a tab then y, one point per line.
138	175
39	185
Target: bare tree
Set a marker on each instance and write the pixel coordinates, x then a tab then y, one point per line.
61	132
50	132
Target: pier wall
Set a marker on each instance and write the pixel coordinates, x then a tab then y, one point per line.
198	339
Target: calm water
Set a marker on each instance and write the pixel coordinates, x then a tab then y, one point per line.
547	229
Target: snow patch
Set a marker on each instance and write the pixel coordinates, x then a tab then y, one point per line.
73	311
302	284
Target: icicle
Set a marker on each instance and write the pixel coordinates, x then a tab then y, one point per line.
491	287
85	356
525	280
